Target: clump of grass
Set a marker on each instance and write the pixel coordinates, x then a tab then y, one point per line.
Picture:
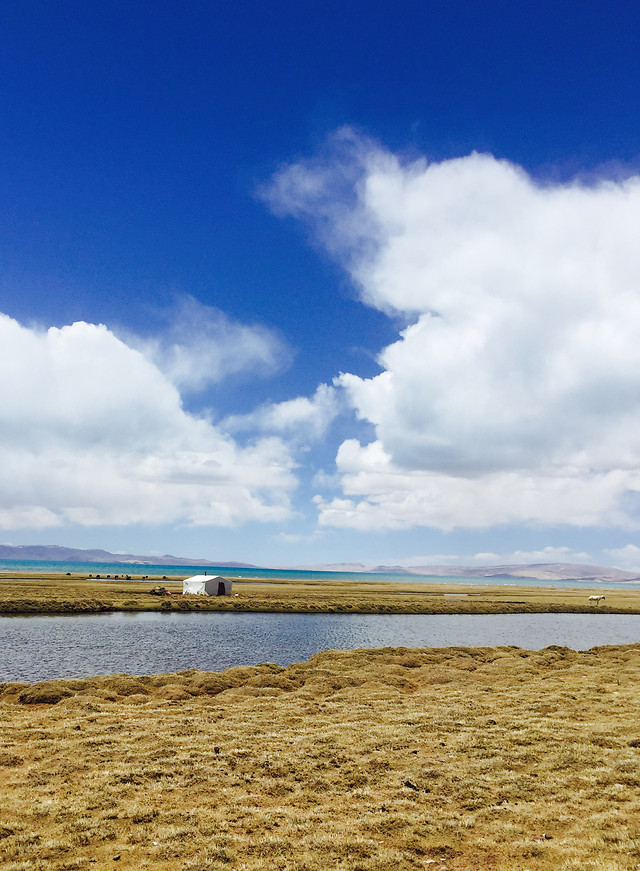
485	758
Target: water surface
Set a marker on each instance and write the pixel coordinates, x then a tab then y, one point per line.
248	573
44	647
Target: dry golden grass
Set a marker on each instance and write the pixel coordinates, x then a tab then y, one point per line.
32	594
486	758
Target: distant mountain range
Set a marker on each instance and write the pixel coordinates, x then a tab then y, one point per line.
42	553
539	571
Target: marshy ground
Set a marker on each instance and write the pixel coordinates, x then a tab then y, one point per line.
457	759
38	593
454	759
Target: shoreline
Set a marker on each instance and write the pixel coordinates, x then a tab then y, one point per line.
24	594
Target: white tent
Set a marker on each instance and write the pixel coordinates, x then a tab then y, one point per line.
206	585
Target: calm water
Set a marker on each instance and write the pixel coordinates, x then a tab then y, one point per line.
41	648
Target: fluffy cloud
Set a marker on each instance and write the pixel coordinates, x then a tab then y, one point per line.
513	396
300	419
384	495
92	432
203	346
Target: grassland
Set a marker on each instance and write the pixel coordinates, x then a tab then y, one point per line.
32	594
459	759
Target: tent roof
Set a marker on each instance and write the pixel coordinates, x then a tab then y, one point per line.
206	578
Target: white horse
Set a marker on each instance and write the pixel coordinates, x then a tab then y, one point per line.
596	599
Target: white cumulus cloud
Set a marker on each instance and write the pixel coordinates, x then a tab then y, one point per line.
92	432
514	394
300	419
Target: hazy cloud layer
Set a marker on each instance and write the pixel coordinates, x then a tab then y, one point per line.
547	554
92	432
202	346
627	557
514	394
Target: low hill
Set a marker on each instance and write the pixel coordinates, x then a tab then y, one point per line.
45	553
539	571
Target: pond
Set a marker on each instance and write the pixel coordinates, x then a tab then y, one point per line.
42	648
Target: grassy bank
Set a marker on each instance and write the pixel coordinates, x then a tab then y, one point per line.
38	594
361	761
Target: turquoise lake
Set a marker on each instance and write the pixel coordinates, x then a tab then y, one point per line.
287	574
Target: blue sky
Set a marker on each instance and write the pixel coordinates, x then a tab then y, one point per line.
297	284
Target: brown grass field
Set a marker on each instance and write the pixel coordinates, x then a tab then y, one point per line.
456	759
38	593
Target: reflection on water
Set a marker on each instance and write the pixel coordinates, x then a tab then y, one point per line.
41	648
